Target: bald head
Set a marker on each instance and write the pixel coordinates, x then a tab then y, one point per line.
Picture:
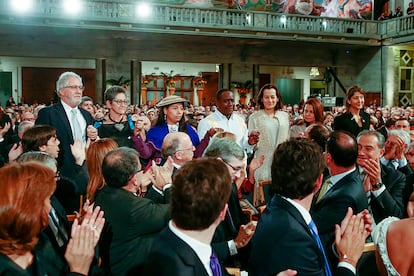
178	145
343	148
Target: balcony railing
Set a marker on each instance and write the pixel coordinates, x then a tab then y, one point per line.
215	22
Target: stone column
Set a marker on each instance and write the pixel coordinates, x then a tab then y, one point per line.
100	79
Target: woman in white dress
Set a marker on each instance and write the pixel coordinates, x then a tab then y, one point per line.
394	239
273	125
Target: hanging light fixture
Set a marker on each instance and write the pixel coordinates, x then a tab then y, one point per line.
314	72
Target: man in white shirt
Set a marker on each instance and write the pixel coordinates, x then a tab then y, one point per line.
224	118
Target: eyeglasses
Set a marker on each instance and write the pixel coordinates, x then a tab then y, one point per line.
134	174
119	102
236	169
192	149
76	87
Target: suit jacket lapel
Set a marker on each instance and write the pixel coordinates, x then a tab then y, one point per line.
185	252
283	203
61	114
338	185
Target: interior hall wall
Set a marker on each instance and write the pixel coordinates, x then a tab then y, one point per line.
39	84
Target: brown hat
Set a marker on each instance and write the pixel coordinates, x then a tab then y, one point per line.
169	100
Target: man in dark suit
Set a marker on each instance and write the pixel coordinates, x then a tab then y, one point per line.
232	236
395	147
284	237
341	190
132	222
178	147
200	191
71	124
384	185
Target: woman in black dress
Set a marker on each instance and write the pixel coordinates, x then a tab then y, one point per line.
354	120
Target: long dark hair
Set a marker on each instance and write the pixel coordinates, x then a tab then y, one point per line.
182	126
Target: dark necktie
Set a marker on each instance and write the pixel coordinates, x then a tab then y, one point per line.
215	265
315	235
57	229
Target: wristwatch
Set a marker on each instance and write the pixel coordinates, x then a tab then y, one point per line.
377	186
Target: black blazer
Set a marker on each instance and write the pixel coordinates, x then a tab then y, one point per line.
131	225
332	208
44	262
228	230
283	240
391	201
345	122
55	116
171	256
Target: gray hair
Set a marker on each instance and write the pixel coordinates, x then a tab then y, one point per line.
224	148
171	144
86	99
380	137
63	80
403	135
112	91
38	156
23	126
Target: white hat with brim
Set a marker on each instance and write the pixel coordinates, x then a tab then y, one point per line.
169	100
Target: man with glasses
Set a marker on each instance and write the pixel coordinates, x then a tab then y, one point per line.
177	146
71	125
232	236
132	222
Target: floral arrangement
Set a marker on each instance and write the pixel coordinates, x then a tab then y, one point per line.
242	88
144	82
199	82
171	80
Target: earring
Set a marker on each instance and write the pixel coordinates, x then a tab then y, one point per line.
165	117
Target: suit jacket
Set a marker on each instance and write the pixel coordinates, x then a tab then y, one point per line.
228	230
283	240
345	122
332	208
391	201
44	263
171	256
55	116
131	225
63	223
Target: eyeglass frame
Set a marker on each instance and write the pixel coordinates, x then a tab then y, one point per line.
192	149
74	87
134	174
119	102
231	166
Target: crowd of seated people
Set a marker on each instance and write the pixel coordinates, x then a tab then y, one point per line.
123	158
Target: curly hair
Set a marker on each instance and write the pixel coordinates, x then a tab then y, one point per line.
24	189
